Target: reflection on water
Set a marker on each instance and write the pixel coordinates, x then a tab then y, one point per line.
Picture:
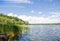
42	33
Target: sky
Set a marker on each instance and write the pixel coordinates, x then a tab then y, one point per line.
33	11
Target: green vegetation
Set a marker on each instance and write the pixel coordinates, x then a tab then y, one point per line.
12	26
12	20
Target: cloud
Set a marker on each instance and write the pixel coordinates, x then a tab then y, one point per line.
36	12
55	14
12	14
40	12
35	19
20	1
32	11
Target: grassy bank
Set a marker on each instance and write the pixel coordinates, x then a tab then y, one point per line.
11	26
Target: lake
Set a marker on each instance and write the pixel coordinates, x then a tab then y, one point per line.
42	33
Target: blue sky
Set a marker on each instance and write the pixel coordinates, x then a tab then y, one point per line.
34	11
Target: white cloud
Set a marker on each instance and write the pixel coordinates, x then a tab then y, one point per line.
32	11
55	14
12	14
36	12
34	19
20	1
40	12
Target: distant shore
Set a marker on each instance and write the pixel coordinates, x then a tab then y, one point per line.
46	24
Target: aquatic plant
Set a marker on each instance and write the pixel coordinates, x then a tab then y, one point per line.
11	26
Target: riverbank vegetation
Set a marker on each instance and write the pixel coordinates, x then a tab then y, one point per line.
11	26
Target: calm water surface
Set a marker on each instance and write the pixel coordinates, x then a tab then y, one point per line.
42	33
